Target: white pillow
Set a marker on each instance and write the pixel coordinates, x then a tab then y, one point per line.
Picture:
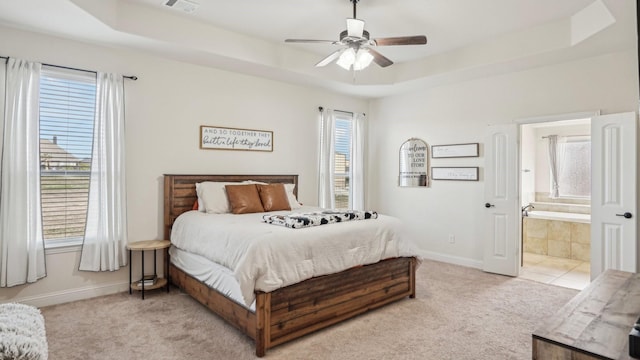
214	197
293	202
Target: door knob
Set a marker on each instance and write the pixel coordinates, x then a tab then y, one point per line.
626	215
487	205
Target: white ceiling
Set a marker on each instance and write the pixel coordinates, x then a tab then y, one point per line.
448	24
466	38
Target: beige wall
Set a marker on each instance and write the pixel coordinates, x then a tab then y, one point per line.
169	102
460	113
164	110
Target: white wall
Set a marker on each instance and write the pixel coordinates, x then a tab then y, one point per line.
164	110
460	113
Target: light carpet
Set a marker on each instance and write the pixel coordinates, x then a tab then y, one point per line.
458	313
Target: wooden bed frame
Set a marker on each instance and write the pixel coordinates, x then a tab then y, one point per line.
296	310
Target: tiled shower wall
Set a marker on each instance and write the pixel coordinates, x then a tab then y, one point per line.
564	239
544	197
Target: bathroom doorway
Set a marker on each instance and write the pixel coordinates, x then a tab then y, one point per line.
555	194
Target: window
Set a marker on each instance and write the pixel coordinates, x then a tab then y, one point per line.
342	157
341	172
67	110
574	179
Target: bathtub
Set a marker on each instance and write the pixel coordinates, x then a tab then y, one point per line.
560	216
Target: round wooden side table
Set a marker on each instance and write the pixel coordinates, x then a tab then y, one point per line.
152	281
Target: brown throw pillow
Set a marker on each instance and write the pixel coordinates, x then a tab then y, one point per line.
273	197
244	199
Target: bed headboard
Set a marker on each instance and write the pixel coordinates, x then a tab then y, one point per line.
180	191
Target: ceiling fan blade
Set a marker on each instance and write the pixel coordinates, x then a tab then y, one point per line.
310	41
329	59
401	40
380	59
355	27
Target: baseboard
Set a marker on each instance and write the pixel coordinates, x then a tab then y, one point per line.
65	296
456	260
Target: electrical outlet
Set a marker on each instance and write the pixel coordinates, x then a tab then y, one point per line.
452	239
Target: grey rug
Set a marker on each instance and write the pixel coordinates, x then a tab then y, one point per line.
22	333
458	313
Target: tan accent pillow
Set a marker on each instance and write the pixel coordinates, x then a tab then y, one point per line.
244	199
273	197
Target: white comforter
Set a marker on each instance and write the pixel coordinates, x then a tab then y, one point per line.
267	257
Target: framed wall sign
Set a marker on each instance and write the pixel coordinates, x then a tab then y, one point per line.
455	173
223	138
414	163
455	150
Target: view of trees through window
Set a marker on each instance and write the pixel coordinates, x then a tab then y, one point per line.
574	179
342	161
67	109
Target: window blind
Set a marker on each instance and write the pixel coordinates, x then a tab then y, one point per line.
67	110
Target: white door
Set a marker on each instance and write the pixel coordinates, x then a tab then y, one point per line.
501	207
613	193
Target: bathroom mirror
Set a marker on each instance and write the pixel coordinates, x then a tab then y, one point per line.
414	164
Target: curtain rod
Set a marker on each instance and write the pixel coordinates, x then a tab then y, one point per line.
132	77
321	109
589	135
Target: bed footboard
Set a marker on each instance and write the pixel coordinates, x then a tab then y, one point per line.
296	310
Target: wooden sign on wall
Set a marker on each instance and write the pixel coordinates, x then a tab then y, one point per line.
414	164
222	138
455	150
467	173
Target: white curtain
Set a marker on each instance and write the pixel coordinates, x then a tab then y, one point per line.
105	239
357	162
326	195
21	242
556	157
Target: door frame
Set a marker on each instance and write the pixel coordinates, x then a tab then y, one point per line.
537	120
517	138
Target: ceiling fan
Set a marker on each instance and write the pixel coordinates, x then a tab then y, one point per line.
357	51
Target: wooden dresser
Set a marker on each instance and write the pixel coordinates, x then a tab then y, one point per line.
595	324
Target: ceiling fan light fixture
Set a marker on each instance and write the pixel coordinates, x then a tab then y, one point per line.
357	60
363	59
347	58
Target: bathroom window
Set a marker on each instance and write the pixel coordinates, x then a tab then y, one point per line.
574	178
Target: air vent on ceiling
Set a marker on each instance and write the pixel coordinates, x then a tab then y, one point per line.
184	5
